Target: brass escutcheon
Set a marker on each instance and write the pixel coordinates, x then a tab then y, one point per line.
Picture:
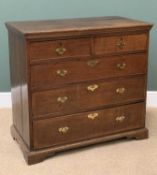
92	87
93	116
121	44
121	65
120	118
62	99
63	130
62	72
92	63
120	90
61	50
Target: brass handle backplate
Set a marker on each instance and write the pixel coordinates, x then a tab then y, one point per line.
92	63
121	44
93	116
120	90
63	130
121	65
62	72
92	87
120	118
61	50
62	99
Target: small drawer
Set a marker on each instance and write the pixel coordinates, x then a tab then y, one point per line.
77	127
60	48
123	43
77	70
80	97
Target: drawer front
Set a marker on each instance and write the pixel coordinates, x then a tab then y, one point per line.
87	96
126	43
77	70
61	48
73	128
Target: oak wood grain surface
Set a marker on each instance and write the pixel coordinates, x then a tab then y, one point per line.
46	132
80	98
47	49
84	69
77	82
123	43
77	24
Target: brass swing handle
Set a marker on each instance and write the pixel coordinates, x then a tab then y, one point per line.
121	66
62	99
62	72
120	90
63	130
92	63
61	50
93	116
92	87
120	118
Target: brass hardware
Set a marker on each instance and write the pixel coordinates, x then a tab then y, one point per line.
62	72
121	65
62	99
92	87
61	50
121	43
93	116
63	130
120	118
120	90
92	63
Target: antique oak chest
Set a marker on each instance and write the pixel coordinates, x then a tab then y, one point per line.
77	82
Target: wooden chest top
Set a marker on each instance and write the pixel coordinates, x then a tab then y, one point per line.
77	26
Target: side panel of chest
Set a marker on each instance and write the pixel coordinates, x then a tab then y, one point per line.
19	71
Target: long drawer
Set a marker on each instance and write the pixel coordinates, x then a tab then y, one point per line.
77	70
85	96
77	127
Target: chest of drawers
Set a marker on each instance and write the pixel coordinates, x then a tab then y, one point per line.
77	82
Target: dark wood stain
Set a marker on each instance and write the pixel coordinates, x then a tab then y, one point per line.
79	70
110	53
19	86
79	98
46	132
